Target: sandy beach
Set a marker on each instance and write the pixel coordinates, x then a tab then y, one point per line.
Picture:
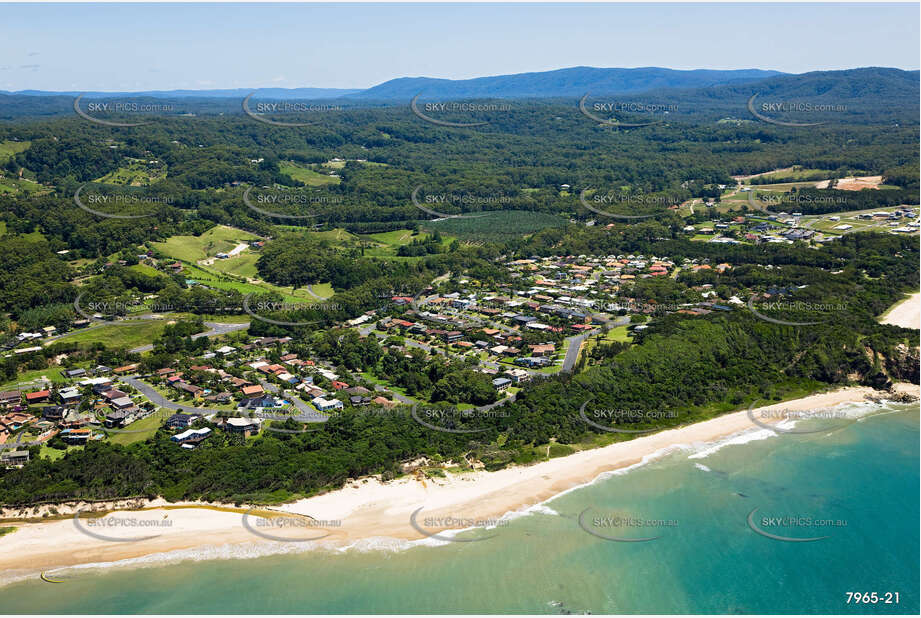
906	314
366	508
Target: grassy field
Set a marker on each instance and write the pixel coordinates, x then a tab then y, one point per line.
146	427
800	173
396	237
55	453
306	175
52	373
136	174
9	148
19	185
618	333
387	244
193	248
242	265
144	269
338	165
218	281
128	335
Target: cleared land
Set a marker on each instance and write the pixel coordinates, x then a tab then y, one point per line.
219	239
306	175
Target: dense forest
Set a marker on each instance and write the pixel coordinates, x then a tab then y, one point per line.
525	172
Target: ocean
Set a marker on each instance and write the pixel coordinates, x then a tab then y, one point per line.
761	523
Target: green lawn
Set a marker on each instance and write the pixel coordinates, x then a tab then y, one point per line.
618	333
396	237
9	184
129	334
241	265
52	373
193	248
10	148
144	269
135	174
54	453
306	175
146	426
215	280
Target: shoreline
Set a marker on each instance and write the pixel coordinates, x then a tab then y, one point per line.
905	313
366	512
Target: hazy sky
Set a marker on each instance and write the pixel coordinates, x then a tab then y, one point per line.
171	46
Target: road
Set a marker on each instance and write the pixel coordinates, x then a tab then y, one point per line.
308	414
401	398
575	343
215	329
159	400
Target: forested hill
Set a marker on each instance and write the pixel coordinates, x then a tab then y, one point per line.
866	95
572	82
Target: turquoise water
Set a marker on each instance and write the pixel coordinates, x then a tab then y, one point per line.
706	557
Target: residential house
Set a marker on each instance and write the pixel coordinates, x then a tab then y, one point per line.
190	438
69	396
246	426
75	437
38	397
324	405
10	398
252	391
182	420
14	458
53	413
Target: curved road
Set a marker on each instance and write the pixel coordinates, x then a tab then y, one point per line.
215	329
308	414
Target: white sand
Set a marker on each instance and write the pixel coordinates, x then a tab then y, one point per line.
906	314
368	508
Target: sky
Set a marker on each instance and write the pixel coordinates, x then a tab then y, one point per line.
131	47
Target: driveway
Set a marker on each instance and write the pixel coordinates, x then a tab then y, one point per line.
159	400
214	329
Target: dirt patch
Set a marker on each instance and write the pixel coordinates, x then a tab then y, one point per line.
853	183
